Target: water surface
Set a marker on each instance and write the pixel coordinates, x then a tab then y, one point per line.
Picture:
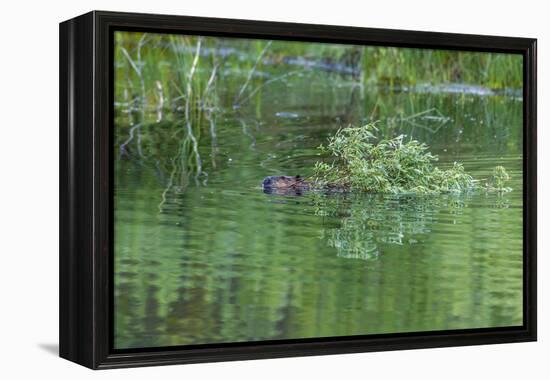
217	260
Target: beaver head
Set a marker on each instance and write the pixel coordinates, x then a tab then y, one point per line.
284	185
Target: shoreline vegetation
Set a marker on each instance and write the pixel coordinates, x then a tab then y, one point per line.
360	161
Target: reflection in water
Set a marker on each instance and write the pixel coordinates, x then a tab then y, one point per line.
368	221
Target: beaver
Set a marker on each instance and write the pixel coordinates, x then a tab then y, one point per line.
285	185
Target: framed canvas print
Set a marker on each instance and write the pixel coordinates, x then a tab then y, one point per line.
236	189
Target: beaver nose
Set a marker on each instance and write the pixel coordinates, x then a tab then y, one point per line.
266	183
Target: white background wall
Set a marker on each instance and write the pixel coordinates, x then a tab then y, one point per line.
29	187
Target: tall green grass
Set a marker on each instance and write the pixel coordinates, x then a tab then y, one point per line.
404	66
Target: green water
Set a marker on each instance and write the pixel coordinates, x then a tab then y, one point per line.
214	259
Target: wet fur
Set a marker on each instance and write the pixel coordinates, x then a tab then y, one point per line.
285	185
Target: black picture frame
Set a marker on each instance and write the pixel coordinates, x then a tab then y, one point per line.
86	212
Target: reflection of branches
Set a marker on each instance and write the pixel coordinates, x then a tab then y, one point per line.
213	138
167	188
209	84
180	161
248	134
187	105
367	221
123	150
176	168
160	104
357	226
137	67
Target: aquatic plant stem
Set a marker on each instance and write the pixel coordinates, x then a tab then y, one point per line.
160	103
209	84
280	77
138	69
187	106
122	147
251	72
